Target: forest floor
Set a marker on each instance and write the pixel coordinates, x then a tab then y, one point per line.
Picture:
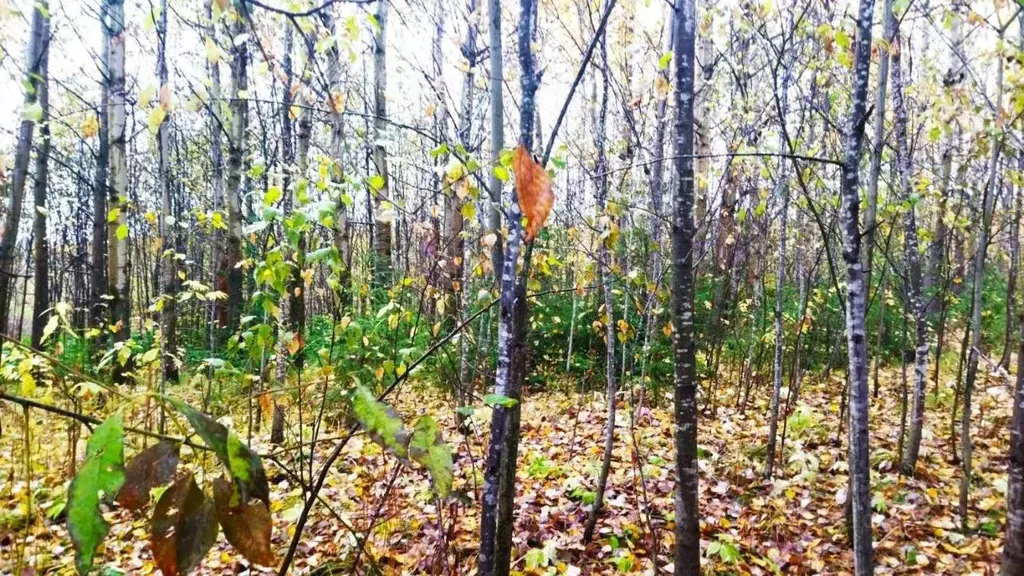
793	524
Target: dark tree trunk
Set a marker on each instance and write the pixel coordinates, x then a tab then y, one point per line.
33	60
41	277
687	532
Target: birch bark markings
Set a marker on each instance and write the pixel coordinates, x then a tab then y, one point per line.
118	270
687	533
912	256
499	467
980	252
382	249
859	467
236	149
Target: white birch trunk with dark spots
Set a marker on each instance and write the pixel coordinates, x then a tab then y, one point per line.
915	298
856	341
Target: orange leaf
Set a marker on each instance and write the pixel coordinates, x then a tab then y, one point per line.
533	186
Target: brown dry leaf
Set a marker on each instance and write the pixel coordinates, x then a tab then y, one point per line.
246	526
184	527
150	468
266	405
533	186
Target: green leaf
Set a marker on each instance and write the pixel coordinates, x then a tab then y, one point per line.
101	476
33	112
501	173
156	119
428	448
380	421
493	400
273	195
664	61
469	211
242	463
121	232
376	182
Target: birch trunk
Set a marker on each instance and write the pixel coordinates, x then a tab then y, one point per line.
336	101
382	247
859	466
878	143
687	533
497	78
239	106
915	298
119	267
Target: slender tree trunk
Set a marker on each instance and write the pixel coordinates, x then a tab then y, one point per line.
41	276
218	310
500	467
604	263
382	195
100	192
937	259
878	143
342	229
859	466
781	190
497	78
980	251
915	298
168	249
687	516
459	252
119	264
1013	272
239	106
1013	547
33	61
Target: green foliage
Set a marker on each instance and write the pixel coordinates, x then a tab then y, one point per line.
428	449
424	445
242	463
99	479
380	421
